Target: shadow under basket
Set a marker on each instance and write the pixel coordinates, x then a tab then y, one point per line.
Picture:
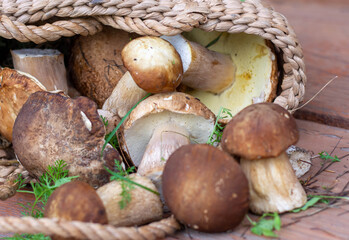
41	21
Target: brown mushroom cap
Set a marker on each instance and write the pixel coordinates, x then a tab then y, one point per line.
15	88
165	108
153	63
51	127
76	201
205	188
261	130
96	64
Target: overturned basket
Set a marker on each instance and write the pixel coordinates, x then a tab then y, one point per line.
41	21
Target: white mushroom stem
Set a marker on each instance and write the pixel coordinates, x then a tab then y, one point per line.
165	140
124	96
273	185
47	65
203	69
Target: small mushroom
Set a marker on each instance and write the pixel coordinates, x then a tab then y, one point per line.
75	201
153	66
15	88
51	127
159	125
143	208
260	135
203	69
205	188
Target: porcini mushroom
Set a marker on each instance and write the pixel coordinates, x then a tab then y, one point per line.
67	203
256	75
95	63
205	188
153	66
203	69
51	127
260	134
15	88
159	125
143	208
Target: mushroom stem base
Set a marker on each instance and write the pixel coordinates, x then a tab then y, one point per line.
273	185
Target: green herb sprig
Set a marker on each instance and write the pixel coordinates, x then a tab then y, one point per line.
127	185
54	177
325	156
314	199
114	140
217	132
266	225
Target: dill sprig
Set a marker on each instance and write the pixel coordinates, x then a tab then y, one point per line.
127	185
54	177
217	132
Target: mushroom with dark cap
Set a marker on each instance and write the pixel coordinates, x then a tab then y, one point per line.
50	127
260	134
205	188
159	125
67	203
153	66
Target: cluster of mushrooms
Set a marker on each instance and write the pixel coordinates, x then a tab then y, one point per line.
208	188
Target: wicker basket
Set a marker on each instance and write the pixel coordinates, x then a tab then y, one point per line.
43	20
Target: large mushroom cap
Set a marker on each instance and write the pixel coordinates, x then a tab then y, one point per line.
153	63
52	127
167	108
205	188
15	88
261	130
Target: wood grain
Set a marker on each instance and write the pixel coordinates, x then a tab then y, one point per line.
323	31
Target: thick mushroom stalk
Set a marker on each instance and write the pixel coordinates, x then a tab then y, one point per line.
273	185
124	96
203	69
165	140
260	135
47	65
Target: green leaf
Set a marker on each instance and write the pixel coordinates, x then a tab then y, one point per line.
217	132
277	222
266	225
213	41
307	205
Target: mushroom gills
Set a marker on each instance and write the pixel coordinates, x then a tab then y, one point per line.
273	185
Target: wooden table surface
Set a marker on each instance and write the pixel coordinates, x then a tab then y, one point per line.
322	27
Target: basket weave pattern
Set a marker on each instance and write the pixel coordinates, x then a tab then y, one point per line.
48	20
